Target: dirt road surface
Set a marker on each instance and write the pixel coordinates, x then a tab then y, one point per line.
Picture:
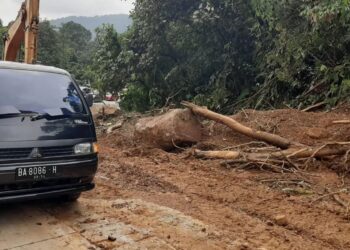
150	199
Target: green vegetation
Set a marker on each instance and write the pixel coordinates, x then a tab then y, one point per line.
303	51
225	54
185	50
228	54
69	47
49	44
105	61
2	33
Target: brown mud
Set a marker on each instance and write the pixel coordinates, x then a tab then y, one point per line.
174	201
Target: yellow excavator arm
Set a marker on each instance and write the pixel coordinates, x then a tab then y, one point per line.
24	29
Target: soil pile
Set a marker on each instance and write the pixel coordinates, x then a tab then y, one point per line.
239	208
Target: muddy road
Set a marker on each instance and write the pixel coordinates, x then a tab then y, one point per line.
150	199
91	224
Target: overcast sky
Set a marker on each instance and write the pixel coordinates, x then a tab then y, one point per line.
51	9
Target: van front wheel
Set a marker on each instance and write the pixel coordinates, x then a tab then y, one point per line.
71	197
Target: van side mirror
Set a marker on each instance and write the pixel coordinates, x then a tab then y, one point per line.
89	100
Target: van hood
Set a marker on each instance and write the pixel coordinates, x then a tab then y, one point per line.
19	129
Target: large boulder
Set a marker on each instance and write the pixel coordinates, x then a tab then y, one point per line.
176	127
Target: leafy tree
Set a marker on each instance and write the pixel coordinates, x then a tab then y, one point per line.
232	53
75	36
225	54
106	59
303	51
75	49
188	49
48	43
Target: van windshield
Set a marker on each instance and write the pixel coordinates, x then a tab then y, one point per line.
39	92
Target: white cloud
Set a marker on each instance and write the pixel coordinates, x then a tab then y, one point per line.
51	9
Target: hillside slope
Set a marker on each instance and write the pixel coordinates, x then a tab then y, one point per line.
120	21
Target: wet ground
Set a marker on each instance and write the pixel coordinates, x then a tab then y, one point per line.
150	199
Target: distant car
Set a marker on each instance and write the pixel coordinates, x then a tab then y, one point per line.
110	97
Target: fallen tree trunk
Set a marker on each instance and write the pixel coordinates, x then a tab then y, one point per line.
293	153
315	106
324	151
226	155
341	122
272	139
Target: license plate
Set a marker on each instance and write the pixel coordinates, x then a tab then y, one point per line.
36	173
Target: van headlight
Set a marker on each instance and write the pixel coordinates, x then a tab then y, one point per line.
84	148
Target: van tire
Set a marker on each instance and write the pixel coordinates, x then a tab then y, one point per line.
71	197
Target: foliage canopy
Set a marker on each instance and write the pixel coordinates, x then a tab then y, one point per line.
225	54
231	53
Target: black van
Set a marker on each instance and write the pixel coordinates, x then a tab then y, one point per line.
47	135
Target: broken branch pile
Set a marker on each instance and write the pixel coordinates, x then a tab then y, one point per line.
287	154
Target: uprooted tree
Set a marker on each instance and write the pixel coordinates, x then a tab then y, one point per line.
285	155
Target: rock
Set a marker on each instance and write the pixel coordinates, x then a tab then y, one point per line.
178	126
112	238
269	223
100	110
281	220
